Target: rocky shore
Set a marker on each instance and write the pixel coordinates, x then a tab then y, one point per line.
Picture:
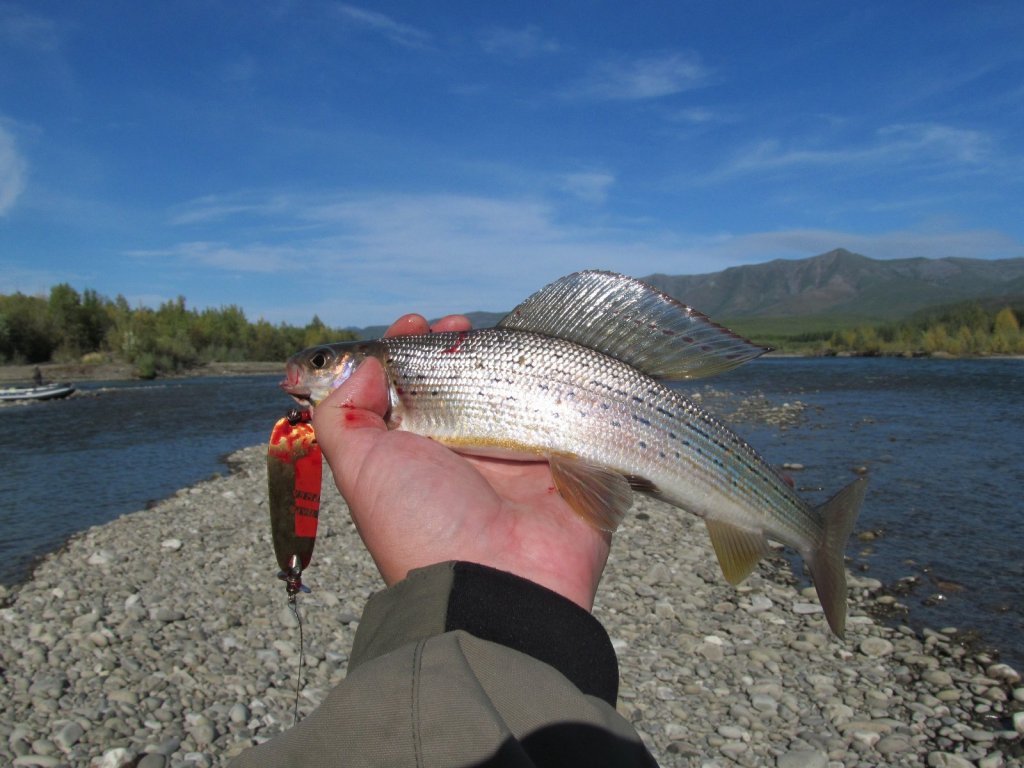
165	639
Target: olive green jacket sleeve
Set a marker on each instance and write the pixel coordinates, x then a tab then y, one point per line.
463	665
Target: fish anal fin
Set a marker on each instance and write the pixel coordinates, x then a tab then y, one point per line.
738	550
600	496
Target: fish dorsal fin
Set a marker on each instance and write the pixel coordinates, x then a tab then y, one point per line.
629	320
598	495
738	550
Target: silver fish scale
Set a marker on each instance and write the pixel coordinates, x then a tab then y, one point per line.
517	392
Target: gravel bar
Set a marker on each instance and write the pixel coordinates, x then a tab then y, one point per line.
164	639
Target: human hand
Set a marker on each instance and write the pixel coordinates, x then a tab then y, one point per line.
416	503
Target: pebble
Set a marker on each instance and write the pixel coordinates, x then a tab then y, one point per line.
937	677
119	757
948	760
802	758
40	761
114	654
876	647
69	735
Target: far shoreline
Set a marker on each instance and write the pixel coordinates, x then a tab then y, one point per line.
13	374
75	372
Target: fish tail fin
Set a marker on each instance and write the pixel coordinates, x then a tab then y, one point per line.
825	563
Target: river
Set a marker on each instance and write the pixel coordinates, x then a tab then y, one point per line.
940	440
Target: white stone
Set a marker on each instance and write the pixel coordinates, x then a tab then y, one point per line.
100	558
805	609
119	757
876	647
1018	722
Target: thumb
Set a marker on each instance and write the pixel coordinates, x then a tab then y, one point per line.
352	416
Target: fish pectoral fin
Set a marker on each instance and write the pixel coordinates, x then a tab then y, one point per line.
738	550
598	495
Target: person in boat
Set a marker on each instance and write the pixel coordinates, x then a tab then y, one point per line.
482	650
37	377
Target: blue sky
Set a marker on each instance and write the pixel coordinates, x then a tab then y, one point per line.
359	160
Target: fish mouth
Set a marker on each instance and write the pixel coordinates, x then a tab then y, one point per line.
292	385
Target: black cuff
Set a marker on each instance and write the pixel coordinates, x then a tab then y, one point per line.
503	608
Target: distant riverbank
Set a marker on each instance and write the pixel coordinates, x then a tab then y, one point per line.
21	374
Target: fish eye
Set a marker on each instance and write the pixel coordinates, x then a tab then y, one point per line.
319	359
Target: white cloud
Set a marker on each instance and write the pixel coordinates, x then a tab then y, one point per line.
13	170
28	31
401	34
365	260
916	144
217	208
590	187
525	43
649	77
696	115
224	257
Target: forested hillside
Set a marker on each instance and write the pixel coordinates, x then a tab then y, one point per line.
71	326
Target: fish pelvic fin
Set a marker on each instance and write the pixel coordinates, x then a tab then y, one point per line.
738	550
598	495
828	571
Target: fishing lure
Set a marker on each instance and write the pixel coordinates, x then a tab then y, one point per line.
294	475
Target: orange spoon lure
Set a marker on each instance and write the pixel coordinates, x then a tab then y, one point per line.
294	475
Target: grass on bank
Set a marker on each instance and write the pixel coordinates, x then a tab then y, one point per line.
973	328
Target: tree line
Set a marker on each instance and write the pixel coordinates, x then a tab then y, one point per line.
962	330
68	326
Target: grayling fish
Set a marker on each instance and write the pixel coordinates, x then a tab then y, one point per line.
573	375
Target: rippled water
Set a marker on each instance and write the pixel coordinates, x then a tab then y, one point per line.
67	465
941	440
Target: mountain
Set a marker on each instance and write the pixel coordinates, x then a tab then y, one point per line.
837	284
843	283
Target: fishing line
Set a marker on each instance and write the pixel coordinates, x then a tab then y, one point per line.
293	602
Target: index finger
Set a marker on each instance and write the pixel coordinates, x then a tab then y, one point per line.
415	325
452	323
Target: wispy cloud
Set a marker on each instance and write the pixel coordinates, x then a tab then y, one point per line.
13	170
701	116
396	32
29	31
362	260
524	43
225	257
216	208
651	77
917	144
591	187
